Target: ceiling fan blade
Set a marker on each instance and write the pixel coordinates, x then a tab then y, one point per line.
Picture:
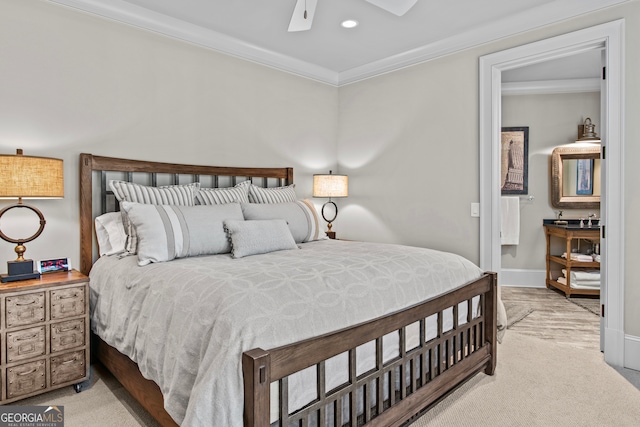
301	21
397	7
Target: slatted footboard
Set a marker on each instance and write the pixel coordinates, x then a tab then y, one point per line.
395	390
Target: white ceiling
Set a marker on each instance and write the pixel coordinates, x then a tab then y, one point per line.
257	29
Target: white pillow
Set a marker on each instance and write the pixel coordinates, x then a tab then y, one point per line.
182	195
258	237
301	217
218	196
110	233
166	232
272	195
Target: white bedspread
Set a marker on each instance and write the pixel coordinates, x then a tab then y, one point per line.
187	322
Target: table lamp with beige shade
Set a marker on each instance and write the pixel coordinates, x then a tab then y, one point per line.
27	177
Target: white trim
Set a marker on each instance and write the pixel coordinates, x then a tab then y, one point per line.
518	278
545	14
611	37
632	352
550	87
613	214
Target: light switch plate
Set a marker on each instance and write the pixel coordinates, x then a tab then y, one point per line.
475	210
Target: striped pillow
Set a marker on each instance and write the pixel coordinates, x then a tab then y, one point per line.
272	195
181	195
167	232
220	196
301	217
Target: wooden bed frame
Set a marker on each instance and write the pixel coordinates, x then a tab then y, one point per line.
440	365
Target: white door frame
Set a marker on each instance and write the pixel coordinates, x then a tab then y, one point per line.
609	36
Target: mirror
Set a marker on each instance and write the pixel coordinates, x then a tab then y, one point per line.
575	176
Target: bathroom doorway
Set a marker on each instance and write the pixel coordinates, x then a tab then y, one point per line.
607	37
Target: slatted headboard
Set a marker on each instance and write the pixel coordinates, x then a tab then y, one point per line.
152	173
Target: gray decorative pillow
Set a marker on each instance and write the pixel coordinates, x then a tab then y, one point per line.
218	196
181	195
301	217
272	195
258	237
166	232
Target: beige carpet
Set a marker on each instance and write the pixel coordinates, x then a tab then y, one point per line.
539	383
105	404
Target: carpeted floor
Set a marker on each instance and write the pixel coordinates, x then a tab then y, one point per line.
104	404
540	383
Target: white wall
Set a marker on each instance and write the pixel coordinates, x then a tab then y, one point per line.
409	142
553	120
71	82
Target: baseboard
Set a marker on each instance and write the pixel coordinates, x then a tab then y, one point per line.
522	278
632	352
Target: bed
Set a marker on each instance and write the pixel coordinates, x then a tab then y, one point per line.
300	356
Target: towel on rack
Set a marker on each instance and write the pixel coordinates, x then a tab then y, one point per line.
510	220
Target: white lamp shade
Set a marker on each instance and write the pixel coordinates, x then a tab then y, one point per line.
330	185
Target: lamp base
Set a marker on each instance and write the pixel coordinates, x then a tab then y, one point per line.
19	270
331	234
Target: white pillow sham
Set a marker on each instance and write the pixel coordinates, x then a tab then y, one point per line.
110	233
272	195
166	232
258	237
301	217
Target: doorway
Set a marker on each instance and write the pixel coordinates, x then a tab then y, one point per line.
608	37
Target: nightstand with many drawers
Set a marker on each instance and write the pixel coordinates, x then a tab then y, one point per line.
44	334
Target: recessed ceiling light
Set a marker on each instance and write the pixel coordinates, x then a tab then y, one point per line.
349	23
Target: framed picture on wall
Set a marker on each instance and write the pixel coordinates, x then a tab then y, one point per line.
584	181
514	160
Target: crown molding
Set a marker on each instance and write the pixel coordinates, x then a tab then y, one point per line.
122	11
